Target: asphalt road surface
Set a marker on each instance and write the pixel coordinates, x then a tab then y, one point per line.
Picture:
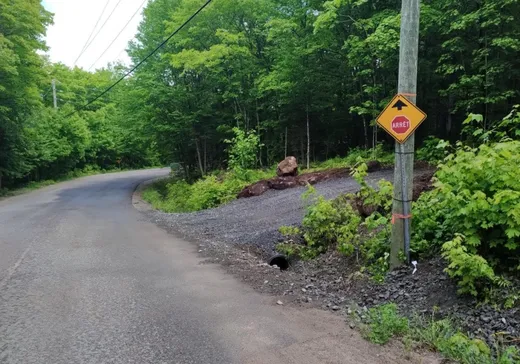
86	278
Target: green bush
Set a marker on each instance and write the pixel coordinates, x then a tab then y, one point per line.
176	195
328	222
442	336
337	223
243	150
433	150
474	214
476	132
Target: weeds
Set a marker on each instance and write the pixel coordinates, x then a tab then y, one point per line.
384	323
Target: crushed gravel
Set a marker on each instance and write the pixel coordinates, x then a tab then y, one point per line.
256	220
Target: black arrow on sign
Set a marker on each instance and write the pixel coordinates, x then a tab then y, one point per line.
399	105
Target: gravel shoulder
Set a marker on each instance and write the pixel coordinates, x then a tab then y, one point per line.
242	234
254	221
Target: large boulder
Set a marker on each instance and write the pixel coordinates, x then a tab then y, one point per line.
287	167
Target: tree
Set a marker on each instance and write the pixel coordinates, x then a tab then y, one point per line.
22	27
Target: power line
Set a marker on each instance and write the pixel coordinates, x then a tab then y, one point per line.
100	29
92	32
144	59
118	34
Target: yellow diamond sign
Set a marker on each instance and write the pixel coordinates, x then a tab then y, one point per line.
401	118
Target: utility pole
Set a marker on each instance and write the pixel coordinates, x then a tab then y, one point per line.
54	93
404	153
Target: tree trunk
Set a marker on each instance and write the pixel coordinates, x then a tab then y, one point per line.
258	131
365	131
198	157
308	140
205	155
302	149
285	142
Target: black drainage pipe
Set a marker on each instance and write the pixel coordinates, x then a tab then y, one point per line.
280	261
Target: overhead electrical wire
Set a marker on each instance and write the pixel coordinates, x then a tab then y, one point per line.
99	30
118	34
92	32
144	59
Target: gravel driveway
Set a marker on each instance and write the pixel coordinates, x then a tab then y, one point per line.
256	220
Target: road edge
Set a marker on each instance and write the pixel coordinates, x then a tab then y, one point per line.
137	195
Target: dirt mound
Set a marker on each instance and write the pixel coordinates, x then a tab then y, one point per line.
423	183
285	182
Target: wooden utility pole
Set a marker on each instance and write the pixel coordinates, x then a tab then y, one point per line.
404	153
54	93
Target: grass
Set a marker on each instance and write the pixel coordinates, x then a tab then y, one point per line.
354	157
384	323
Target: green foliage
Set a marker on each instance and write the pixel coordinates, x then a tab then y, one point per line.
385	323
337	223
433	150
442	336
289	231
476	214
354	157
243	150
328	222
471	270
476	131
380	198
177	195
275	67
297	250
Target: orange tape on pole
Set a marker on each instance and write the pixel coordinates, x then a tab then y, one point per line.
399	216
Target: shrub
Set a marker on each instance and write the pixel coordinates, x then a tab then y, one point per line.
176	195
477	195
433	150
243	150
327	222
337	223
476	132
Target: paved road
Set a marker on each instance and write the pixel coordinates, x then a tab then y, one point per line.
85	278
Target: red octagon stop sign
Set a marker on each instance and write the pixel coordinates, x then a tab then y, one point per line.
400	124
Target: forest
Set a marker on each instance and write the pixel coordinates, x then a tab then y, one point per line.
307	76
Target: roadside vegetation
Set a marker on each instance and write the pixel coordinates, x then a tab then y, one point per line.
176	194
383	323
471	218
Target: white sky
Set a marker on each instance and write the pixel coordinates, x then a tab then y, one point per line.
74	21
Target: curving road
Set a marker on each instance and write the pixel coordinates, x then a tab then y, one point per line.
86	278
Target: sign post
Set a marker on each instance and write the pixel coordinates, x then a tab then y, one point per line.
400	119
